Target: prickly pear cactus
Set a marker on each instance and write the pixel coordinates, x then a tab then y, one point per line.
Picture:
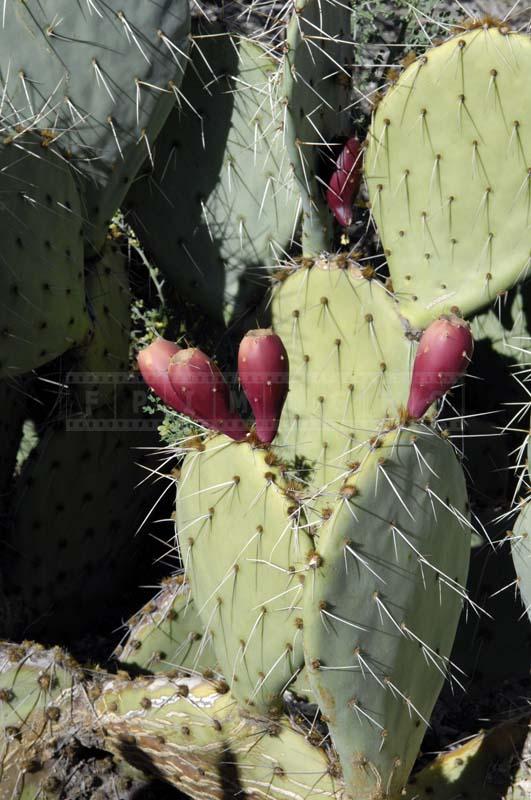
247	585
313	114
361	498
58	538
41	275
33	681
479	769
240	210
101	364
97	83
521	552
189	727
382	604
167	634
447	167
349	366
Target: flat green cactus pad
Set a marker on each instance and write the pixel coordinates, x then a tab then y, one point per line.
507	324
72	523
484	768
167	634
314	93
521	552
96	82
349	366
449	174
381	609
195	737
220	206
32	681
41	263
101	364
243	552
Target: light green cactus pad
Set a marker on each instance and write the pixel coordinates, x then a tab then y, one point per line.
448	167
101	364
220	206
521	553
167	634
349	364
195	737
483	768
381	609
41	263
506	324
244	549
32	682
98	81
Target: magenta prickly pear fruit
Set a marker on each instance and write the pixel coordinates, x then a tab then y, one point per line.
153	362
344	184
443	355
203	394
263	367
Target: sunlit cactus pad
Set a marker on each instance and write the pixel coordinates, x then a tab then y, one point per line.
244	556
448	166
381	610
349	364
167	634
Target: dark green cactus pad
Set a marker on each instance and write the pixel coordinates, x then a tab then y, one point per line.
98	81
448	169
220	206
72	523
101	364
349	367
382	605
41	274
167	634
243	551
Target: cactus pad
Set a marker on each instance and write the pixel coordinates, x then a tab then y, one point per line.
349	365
167	634
96	82
449	174
192	734
239	211
245	574
521	553
102	362
73	518
381	609
41	264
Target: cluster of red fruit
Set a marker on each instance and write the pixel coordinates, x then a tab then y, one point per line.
189	382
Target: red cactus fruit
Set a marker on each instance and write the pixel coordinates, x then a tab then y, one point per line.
153	362
203	393
263	367
344	184
443	355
